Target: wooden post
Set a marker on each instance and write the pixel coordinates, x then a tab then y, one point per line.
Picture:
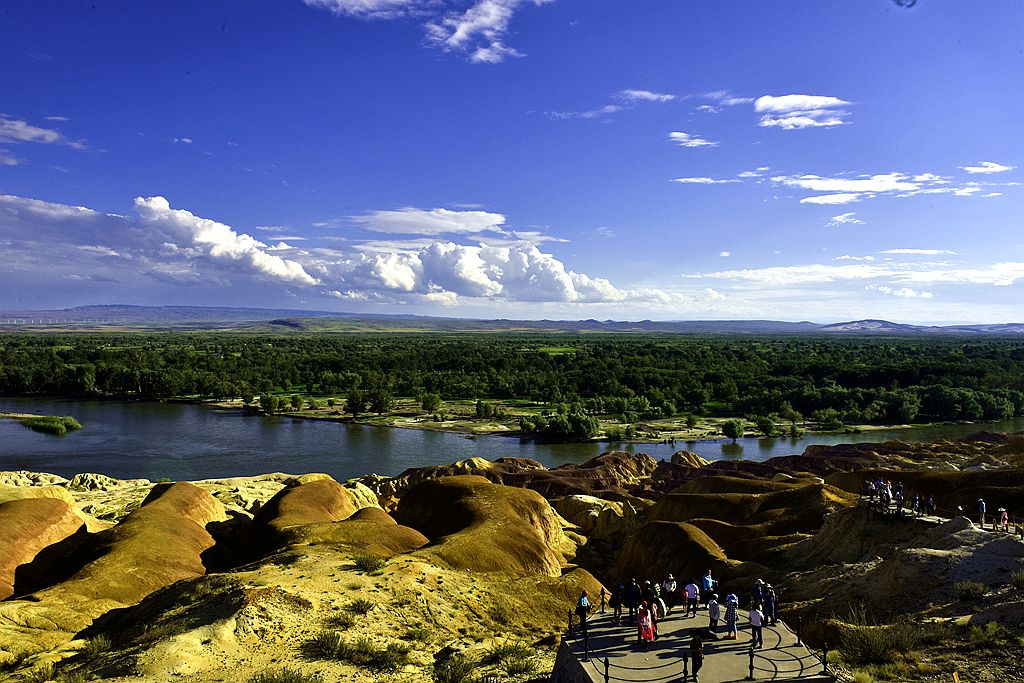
750	676
605	670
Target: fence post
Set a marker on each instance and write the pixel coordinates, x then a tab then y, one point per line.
686	666
605	670
824	660
570	623
799	629
602	599
750	676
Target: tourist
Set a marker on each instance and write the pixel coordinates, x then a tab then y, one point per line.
757	594
692	596
981	512
714	612
756	621
708	586
1004	520
644	624
915	504
930	505
696	651
732	604
618	594
668	591
633	597
770	605
582	608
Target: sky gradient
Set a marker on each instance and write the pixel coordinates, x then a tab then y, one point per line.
570	159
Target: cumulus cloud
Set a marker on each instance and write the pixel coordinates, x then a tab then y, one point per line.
476	29
703	180
902	292
689	140
14	130
988	167
414	221
632	95
844	219
792	112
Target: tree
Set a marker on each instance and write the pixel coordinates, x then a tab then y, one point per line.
381	400
296	402
828	418
431	403
355	402
732	429
691	420
268	404
313	404
765	425
247	397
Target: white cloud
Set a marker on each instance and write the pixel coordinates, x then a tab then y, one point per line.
847	257
590	114
839	198
688	140
371	9
920	252
631	95
58	119
990	194
414	221
902	292
791	112
14	130
988	167
183	141
604	232
479	30
724	98
725	254
887	182
705	181
844	219
6	159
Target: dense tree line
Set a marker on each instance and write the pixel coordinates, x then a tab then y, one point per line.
881	380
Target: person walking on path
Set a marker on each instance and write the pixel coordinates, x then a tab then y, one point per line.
1004	520
582	609
732	605
696	652
668	591
930	505
770	604
714	612
616	602
644	624
756	623
981	512
692	596
632	598
707	587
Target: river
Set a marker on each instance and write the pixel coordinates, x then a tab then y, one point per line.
187	442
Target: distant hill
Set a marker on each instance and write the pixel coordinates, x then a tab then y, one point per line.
290	320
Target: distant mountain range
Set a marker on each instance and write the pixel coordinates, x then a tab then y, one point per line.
282	320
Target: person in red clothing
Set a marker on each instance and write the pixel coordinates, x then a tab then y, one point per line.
645	623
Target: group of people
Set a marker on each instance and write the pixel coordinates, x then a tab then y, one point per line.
889	498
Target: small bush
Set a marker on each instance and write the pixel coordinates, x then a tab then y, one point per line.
455	669
989	635
862	677
340	621
286	675
968	591
419	634
515	659
360	606
368	563
500	612
94	647
40	673
1017	579
71	677
324	645
518	665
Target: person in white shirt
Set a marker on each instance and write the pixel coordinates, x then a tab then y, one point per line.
692	596
668	592
714	612
756	620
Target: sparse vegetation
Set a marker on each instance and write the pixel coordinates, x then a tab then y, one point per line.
368	563
286	675
58	425
515	659
968	591
1017	579
417	633
361	651
360	606
457	668
40	673
96	646
989	635
340	621
883	644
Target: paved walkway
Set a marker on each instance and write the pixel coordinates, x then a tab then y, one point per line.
725	661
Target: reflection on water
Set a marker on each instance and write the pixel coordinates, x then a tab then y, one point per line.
183	441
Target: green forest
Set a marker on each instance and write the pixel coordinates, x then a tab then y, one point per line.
848	380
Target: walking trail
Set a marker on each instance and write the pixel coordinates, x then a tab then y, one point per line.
666	659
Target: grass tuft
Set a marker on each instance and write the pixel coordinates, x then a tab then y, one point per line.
968	591
40	673
96	646
360	606
989	635
340	621
286	675
1017	579
515	659
455	669
362	651
368	563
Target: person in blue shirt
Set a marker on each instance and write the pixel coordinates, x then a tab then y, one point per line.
707	587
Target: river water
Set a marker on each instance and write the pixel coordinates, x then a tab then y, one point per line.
185	441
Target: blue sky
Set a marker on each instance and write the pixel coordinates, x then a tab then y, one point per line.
517	158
